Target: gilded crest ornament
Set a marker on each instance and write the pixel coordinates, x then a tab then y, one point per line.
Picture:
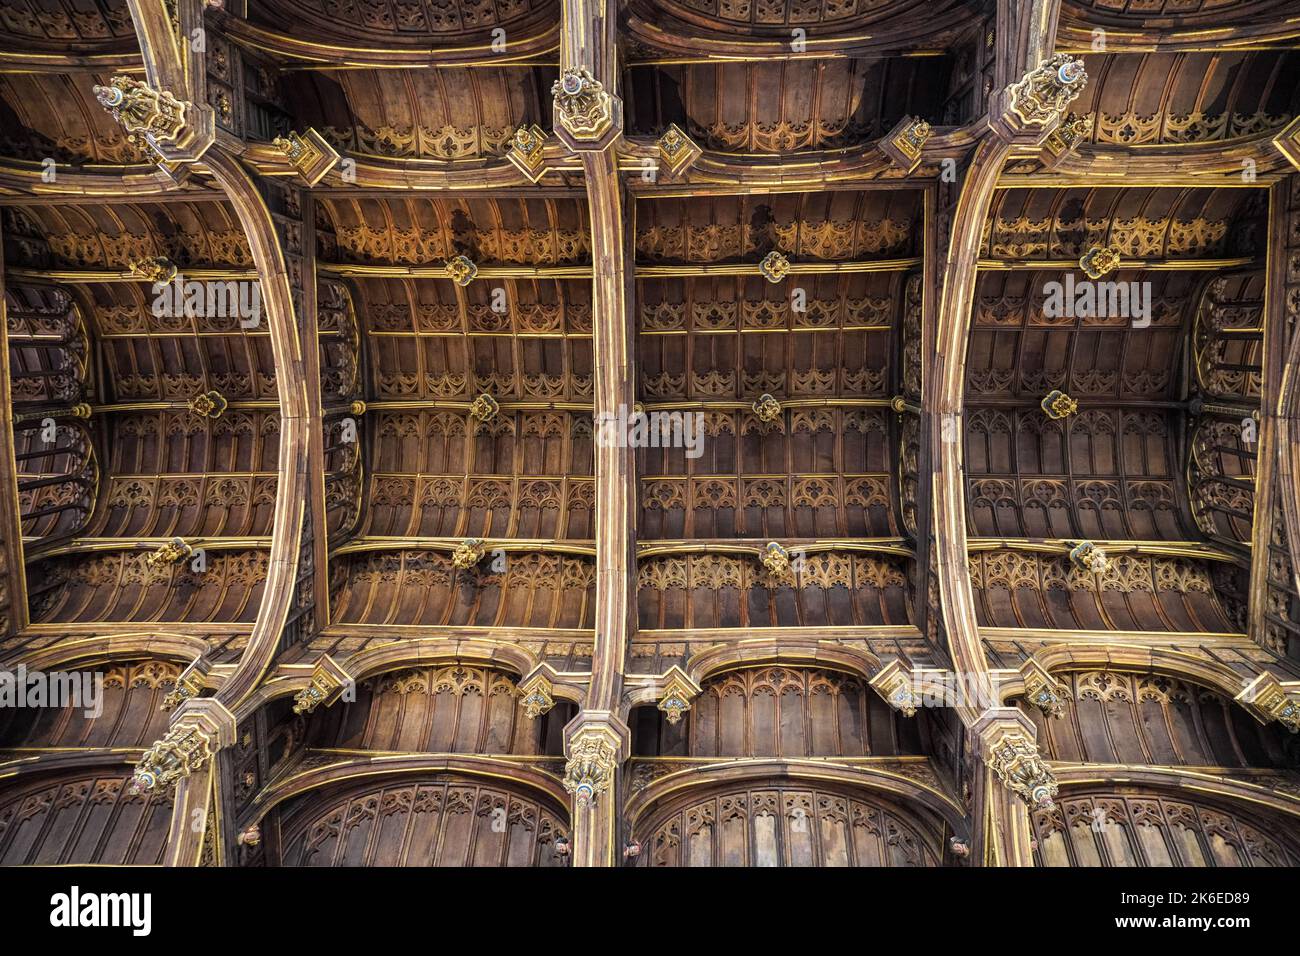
461	270
1057	405
173	552
327	681
676	697
774	267
156	270
484	408
1042	95
776	560
1099	261
468	554
209	404
1087	556
1046	694
309	153
583	106
1072	131
905	142
1269	700
767	408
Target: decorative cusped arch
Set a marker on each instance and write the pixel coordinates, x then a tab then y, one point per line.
430	819
806	817
82	816
1139	826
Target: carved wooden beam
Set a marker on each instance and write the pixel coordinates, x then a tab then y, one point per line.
17	61
589	120
169	110
1246	162
535	50
1277	478
292	487
26	183
13	584
1281	34
1032	94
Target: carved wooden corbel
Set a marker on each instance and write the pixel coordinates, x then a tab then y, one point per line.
328	682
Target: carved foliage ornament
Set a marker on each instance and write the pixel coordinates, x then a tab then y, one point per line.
461	270
173	552
468	553
767	408
1087	556
1043	95
210	404
156	269
584	107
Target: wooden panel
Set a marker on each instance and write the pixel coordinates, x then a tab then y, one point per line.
435	710
1130	827
711	590
781	712
131	711
1023	589
82	818
775	823
1118	717
440	821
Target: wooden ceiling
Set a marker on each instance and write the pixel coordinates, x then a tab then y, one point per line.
378	691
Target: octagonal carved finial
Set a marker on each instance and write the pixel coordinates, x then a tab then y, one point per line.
1041	97
1014	757
585	109
145	113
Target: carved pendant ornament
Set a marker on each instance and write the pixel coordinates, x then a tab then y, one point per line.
155	115
583	106
589	771
1015	759
1042	96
